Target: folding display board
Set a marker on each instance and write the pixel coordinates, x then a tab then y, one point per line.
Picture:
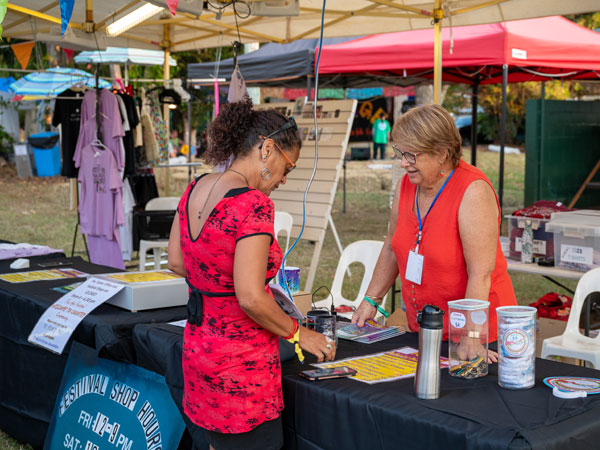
334	122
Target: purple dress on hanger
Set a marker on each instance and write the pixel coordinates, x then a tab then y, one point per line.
101	205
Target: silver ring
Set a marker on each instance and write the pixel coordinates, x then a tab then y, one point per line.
329	346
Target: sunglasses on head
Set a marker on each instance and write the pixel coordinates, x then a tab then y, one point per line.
291	123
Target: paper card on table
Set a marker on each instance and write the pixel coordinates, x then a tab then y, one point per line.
392	365
54	328
40	275
144	277
285	302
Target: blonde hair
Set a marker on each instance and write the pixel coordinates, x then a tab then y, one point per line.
428	128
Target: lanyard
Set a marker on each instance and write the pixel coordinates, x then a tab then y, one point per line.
421	222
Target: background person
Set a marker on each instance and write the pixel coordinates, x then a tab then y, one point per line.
222	241
457	253
174	144
381	135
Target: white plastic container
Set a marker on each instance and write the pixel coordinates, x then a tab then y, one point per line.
516	346
468	338
576	239
543	241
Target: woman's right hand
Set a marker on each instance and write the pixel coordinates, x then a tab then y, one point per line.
317	344
364	312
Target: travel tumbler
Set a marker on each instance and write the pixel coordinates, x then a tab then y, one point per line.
427	378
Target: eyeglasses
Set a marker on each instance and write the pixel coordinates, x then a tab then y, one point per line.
291	166
410	158
291	123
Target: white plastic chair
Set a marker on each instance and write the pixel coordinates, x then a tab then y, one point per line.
572	343
156	204
283	222
366	253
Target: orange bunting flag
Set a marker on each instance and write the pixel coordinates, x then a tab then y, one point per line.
23	52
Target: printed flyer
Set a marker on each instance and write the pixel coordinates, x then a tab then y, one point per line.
392	365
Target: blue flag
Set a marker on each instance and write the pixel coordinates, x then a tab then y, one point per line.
66	10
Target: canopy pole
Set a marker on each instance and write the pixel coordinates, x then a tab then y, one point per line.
89	11
474	100
502	134
166	71
438	15
166	76
189	139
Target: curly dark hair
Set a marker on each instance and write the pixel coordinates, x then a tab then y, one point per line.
238	128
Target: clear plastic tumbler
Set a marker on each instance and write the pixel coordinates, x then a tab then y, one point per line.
468	338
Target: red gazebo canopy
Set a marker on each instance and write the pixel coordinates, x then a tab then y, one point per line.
534	49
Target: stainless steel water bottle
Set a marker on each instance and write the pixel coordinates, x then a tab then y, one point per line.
427	378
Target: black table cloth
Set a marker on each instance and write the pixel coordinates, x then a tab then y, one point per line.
29	375
347	414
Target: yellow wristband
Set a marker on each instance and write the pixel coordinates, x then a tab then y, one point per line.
295	340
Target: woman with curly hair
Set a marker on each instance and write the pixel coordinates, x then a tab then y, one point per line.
222	241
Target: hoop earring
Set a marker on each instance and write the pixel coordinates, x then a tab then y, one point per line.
265	173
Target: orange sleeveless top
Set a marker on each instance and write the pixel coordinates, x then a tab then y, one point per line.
444	275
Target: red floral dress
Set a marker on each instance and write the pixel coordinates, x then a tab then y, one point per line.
231	366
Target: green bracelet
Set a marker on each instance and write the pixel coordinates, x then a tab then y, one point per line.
372	302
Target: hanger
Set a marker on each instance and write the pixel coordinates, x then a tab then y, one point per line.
99	146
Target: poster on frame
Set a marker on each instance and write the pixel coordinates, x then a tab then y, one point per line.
103	404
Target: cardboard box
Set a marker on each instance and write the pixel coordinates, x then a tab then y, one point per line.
147	290
303	301
398	318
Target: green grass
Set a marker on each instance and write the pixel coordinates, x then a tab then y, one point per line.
37	211
8	443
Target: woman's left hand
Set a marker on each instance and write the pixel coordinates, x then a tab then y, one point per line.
492	357
364	312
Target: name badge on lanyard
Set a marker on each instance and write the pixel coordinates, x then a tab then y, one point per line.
414	267
414	264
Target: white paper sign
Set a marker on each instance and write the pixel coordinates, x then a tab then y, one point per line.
54	328
20	149
539	246
576	254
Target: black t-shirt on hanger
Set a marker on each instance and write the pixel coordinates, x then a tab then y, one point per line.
67	113
134	120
